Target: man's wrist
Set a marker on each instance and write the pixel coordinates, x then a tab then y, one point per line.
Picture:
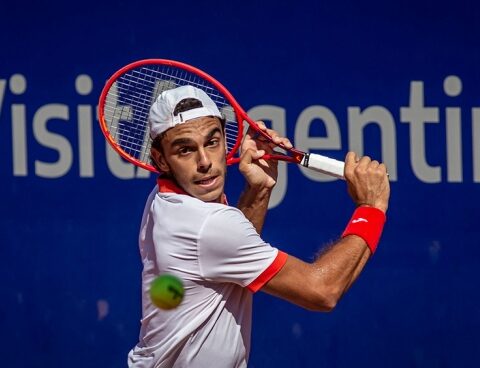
378	206
256	193
367	222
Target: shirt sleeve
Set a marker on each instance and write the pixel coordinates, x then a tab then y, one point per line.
230	250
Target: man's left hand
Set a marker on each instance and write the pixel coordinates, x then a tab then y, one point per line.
258	172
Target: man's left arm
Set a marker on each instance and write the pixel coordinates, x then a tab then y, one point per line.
260	175
253	203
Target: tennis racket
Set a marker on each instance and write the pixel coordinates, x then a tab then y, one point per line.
126	99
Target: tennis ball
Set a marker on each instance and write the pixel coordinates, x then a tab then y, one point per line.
166	291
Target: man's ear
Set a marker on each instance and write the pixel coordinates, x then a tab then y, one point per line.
159	160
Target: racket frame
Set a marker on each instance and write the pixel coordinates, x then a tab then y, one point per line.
297	156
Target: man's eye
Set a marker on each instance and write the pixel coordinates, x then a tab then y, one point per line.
184	150
213	142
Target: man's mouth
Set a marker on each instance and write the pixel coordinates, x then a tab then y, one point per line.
208	181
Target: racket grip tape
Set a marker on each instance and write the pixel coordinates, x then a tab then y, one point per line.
367	223
324	165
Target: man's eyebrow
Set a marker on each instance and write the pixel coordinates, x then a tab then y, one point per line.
213	132
180	141
186	141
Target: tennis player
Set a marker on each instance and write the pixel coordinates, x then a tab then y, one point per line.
189	230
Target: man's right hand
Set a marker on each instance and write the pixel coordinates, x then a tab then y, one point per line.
367	181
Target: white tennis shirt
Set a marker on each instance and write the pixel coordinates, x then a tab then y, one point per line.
221	260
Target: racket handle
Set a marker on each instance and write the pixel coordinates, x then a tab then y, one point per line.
325	165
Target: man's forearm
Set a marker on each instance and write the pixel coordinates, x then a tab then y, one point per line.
340	265
254	204
320	285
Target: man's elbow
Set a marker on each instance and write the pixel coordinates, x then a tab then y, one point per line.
326	305
325	301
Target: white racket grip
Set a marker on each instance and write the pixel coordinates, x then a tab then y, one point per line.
325	165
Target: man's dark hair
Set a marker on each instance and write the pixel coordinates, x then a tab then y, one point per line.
184	105
187	104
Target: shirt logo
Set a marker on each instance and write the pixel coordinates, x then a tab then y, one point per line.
360	219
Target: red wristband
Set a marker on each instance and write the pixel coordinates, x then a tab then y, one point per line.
367	223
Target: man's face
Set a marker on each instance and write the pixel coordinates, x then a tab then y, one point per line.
194	154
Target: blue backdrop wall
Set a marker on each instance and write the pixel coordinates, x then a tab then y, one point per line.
396	80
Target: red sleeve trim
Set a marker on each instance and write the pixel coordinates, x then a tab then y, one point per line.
269	272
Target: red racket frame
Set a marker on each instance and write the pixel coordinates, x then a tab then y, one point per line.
241	115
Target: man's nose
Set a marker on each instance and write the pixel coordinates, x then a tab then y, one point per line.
204	162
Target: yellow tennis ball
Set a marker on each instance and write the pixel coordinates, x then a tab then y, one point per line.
166	291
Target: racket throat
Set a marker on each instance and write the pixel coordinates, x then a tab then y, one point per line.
302	159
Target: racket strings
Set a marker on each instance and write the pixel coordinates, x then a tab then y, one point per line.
129	99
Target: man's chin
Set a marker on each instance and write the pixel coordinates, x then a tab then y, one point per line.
213	196
209	195
210	192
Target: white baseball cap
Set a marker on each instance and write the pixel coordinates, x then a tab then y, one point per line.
161	115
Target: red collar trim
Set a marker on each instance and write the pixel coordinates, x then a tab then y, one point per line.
169	186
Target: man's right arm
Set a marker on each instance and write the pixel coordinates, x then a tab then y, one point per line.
319	285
